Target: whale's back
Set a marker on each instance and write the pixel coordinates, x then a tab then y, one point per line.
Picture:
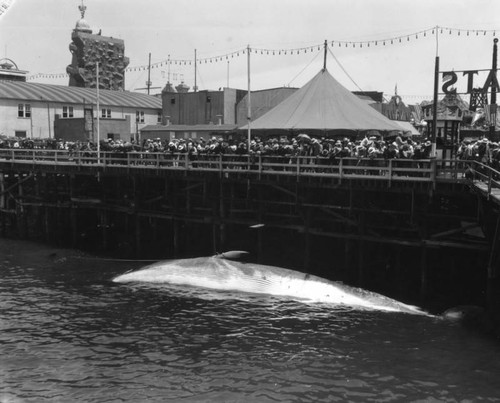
227	275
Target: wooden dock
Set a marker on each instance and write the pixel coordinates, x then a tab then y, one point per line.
414	227
255	166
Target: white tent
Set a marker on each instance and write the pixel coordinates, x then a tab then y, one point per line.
323	104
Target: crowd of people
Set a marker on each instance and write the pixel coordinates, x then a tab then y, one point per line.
372	147
301	145
483	150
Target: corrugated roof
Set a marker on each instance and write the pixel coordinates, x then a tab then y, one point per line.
75	95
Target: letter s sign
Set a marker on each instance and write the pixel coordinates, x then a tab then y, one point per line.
449	78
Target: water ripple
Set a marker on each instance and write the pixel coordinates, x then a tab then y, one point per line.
69	334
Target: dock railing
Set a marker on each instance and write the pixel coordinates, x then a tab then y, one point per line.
484	177
427	170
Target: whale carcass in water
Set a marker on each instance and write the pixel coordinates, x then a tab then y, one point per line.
219	272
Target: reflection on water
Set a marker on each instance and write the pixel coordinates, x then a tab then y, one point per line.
67	333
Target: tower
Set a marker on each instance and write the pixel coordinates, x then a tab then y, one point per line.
478	99
87	49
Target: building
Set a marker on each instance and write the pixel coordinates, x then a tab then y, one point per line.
88	50
42	111
201	107
261	102
396	109
195	132
450	114
208	113
196	114
7	72
36	110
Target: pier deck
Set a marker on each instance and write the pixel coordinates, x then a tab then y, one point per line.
420	222
255	166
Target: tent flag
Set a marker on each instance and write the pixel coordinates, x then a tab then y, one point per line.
323	104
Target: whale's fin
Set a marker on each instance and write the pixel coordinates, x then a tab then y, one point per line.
233	255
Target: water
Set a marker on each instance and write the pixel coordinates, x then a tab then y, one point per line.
68	334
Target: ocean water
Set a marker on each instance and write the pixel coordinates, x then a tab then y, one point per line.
69	334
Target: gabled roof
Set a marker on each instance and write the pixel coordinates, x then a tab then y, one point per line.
22	91
323	104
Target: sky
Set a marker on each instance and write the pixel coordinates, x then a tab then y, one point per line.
36	35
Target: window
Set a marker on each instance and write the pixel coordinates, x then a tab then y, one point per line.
67	112
139	116
24	111
106	113
20	133
159	117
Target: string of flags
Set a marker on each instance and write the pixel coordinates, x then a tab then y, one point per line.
42	75
430	32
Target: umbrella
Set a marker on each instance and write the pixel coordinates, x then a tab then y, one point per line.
303	137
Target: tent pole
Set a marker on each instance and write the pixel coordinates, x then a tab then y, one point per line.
324	56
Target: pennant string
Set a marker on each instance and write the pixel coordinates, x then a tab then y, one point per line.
295	51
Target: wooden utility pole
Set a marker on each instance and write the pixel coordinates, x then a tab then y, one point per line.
249	104
148	83
494	83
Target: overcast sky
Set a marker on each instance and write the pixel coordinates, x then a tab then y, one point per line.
36	35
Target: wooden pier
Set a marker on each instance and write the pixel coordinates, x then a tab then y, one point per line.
414	229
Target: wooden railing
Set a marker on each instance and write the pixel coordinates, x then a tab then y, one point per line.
429	170
484	177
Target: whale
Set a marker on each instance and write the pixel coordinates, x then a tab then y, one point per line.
224	272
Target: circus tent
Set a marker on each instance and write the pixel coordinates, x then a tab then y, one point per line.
323	104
